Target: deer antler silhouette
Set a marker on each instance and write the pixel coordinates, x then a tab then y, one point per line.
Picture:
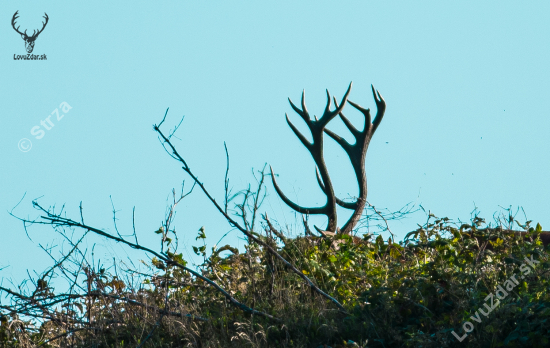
29	40
355	152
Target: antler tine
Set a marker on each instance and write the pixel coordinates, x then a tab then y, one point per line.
327	107
381	108
348	124
13	19
329	115
304	108
344	100
365	112
43	25
298	208
306	227
324	233
338	139
303	112
300	136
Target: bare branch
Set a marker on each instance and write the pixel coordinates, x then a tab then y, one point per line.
174	153
59	221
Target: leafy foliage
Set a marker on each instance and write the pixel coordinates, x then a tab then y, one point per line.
444	285
413	293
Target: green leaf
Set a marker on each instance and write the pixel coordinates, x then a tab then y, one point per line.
201	235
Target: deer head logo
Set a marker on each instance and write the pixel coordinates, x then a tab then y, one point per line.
29	40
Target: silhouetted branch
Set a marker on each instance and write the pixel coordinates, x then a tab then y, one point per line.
58	221
174	154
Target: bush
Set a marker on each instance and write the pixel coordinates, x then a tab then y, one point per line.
413	293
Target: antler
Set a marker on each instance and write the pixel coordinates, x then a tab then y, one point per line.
43	25
14	18
357	153
315	148
34	33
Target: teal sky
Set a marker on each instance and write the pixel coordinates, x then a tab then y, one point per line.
466	85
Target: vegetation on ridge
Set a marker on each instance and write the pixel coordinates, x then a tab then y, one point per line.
444	285
411	294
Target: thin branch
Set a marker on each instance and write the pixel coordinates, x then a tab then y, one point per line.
114	216
226	182
66	222
187	169
134	224
258	202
